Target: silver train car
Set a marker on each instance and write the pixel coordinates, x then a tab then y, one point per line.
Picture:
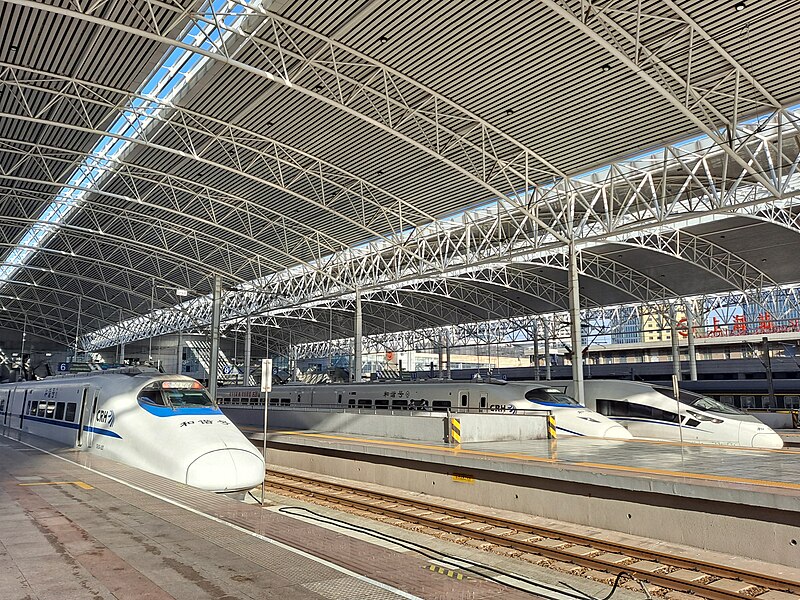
651	412
164	424
571	418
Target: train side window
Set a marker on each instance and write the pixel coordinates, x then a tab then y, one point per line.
640	410
286	401
612	408
483	401
463	399
665	415
792	401
32	406
50	410
399	404
41	409
365	403
60	411
351	402
748	402
382	404
273	402
69	415
439	404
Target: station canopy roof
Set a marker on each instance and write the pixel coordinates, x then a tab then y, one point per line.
437	157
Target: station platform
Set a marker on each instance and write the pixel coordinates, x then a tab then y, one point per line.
739	501
75	526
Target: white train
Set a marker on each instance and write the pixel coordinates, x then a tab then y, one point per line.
571	418
650	411
164	424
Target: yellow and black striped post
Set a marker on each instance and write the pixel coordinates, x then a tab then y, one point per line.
551	427
455	430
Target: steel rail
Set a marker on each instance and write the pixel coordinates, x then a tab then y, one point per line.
665	559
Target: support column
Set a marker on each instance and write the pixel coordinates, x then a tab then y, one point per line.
449	368
690	335
575	325
536	351
356	375
441	356
547	374
179	356
122	354
676	351
248	342
216	305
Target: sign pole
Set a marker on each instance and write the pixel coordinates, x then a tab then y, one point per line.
266	388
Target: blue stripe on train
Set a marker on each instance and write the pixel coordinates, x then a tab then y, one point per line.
68	425
167	411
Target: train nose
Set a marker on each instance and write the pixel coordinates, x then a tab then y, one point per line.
767	440
617	431
226	470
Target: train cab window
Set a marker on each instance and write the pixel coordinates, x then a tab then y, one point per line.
612	408
152	397
60	411
440	404
32	407
464	399
382	404
365	403
549	396
69	414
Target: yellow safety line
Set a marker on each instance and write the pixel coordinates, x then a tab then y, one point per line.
80	484
526	457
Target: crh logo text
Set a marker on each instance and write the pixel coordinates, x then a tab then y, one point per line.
105	416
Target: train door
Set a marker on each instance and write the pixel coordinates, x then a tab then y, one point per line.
463	399
84	420
22	408
5	406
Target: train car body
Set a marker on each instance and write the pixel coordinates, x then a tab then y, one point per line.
164	424
571	418
651	412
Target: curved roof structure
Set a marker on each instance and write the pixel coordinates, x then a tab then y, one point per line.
436	158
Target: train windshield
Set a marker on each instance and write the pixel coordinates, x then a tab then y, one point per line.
549	396
701	402
175	394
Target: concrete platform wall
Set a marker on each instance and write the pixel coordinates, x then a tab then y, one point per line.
417	426
762	533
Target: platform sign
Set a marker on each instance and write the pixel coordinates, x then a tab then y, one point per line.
266	375
63	367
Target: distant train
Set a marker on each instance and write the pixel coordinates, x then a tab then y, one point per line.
164	424
651	411
571	418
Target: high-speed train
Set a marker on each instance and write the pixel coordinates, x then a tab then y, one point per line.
651	411
500	397
164	424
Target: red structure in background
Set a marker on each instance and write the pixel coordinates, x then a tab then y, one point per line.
764	324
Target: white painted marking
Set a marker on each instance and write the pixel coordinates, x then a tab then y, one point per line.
263	538
333	526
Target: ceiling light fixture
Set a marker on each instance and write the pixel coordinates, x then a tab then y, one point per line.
605	68
383	39
739	6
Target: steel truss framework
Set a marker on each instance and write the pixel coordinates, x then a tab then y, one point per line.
274	264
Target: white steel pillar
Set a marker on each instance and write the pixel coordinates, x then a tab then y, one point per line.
547	374
216	305
248	342
536	352
575	324
690	335
441	355
179	354
449	368
122	354
676	351
356	375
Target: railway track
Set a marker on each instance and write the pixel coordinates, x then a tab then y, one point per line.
707	580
